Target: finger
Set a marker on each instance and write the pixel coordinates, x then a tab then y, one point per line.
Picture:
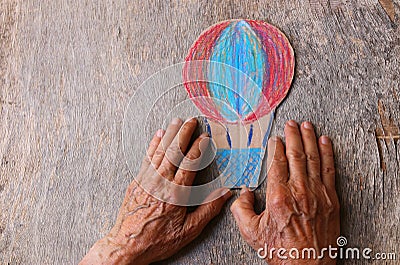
190	164
277	163
327	163
197	220
152	148
245	217
169	135
295	152
176	150
311	151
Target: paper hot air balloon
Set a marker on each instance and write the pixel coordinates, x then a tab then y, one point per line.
236	73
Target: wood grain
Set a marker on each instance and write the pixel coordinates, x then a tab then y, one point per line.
68	69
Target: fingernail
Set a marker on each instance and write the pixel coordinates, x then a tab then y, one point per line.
325	140
292	123
176	121
243	190
160	133
307	125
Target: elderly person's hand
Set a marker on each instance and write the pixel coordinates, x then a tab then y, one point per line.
148	229
302	208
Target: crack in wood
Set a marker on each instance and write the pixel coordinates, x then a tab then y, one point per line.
388	132
389	129
380	152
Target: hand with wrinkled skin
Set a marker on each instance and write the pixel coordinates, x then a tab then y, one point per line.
147	229
302	208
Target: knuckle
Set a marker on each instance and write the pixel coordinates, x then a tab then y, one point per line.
174	152
146	159
190	164
183	174
296	155
275	173
313	157
278	200
186	163
277	167
280	159
174	149
159	153
315	177
172	160
153	145
183	178
166	171
173	155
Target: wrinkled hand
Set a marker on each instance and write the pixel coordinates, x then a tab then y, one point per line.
302	208
148	229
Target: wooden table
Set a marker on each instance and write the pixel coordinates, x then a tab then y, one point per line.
69	68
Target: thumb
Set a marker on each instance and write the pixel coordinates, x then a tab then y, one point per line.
197	220
245	217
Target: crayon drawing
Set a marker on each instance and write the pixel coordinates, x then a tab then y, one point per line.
248	72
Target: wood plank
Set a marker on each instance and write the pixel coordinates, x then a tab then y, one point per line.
68	69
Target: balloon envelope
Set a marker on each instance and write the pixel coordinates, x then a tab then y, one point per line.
250	69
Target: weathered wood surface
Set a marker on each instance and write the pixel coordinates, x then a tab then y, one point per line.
68	69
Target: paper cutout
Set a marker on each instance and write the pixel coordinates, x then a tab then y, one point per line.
249	69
